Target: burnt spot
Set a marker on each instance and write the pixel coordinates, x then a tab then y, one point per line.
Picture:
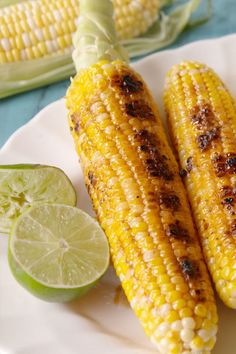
189	164
202	117
224	164
228	200
170	201
198	294
183	173
155	162
206	225
76	127
231	163
143	148
88	187
139	109
91	178
75	120
189	268
178	232
127	83
204	140
228	203
227	191
233	228
74	117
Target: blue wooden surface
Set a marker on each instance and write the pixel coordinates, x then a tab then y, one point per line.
17	110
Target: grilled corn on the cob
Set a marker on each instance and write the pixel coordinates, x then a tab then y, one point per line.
34	29
202	118
137	193
140	202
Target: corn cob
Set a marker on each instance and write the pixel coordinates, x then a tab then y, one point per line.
202	118
35	29
137	193
133	181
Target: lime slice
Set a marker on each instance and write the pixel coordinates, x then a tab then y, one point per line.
23	185
57	252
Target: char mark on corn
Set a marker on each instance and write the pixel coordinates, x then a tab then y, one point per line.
224	164
202	117
189	164
170	201
190	268
205	140
155	162
127	84
139	109
178	232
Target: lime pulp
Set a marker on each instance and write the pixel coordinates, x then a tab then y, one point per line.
24	185
57	252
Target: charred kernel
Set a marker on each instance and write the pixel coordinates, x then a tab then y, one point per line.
170	201
178	232
74	117
231	162
189	164
233	228
204	140
228	200
190	268
183	173
155	162
76	127
202	117
223	165
227	191
91	178
143	148
198	294
216	157
127	83
157	168
139	109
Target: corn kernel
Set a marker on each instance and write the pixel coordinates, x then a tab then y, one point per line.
200	310
197	343
185	312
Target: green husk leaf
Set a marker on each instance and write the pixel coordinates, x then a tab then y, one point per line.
95	38
164	31
4	3
19	77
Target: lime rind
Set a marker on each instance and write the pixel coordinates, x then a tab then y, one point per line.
25	184
41	291
57	252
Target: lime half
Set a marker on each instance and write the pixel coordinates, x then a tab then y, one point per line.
57	252
23	185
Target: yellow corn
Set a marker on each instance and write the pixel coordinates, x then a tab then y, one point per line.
202	118
137	193
34	29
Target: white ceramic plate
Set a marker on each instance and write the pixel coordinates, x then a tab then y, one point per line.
101	322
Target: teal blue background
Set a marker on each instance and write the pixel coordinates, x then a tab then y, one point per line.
18	110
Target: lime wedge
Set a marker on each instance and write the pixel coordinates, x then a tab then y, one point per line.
57	252
23	185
